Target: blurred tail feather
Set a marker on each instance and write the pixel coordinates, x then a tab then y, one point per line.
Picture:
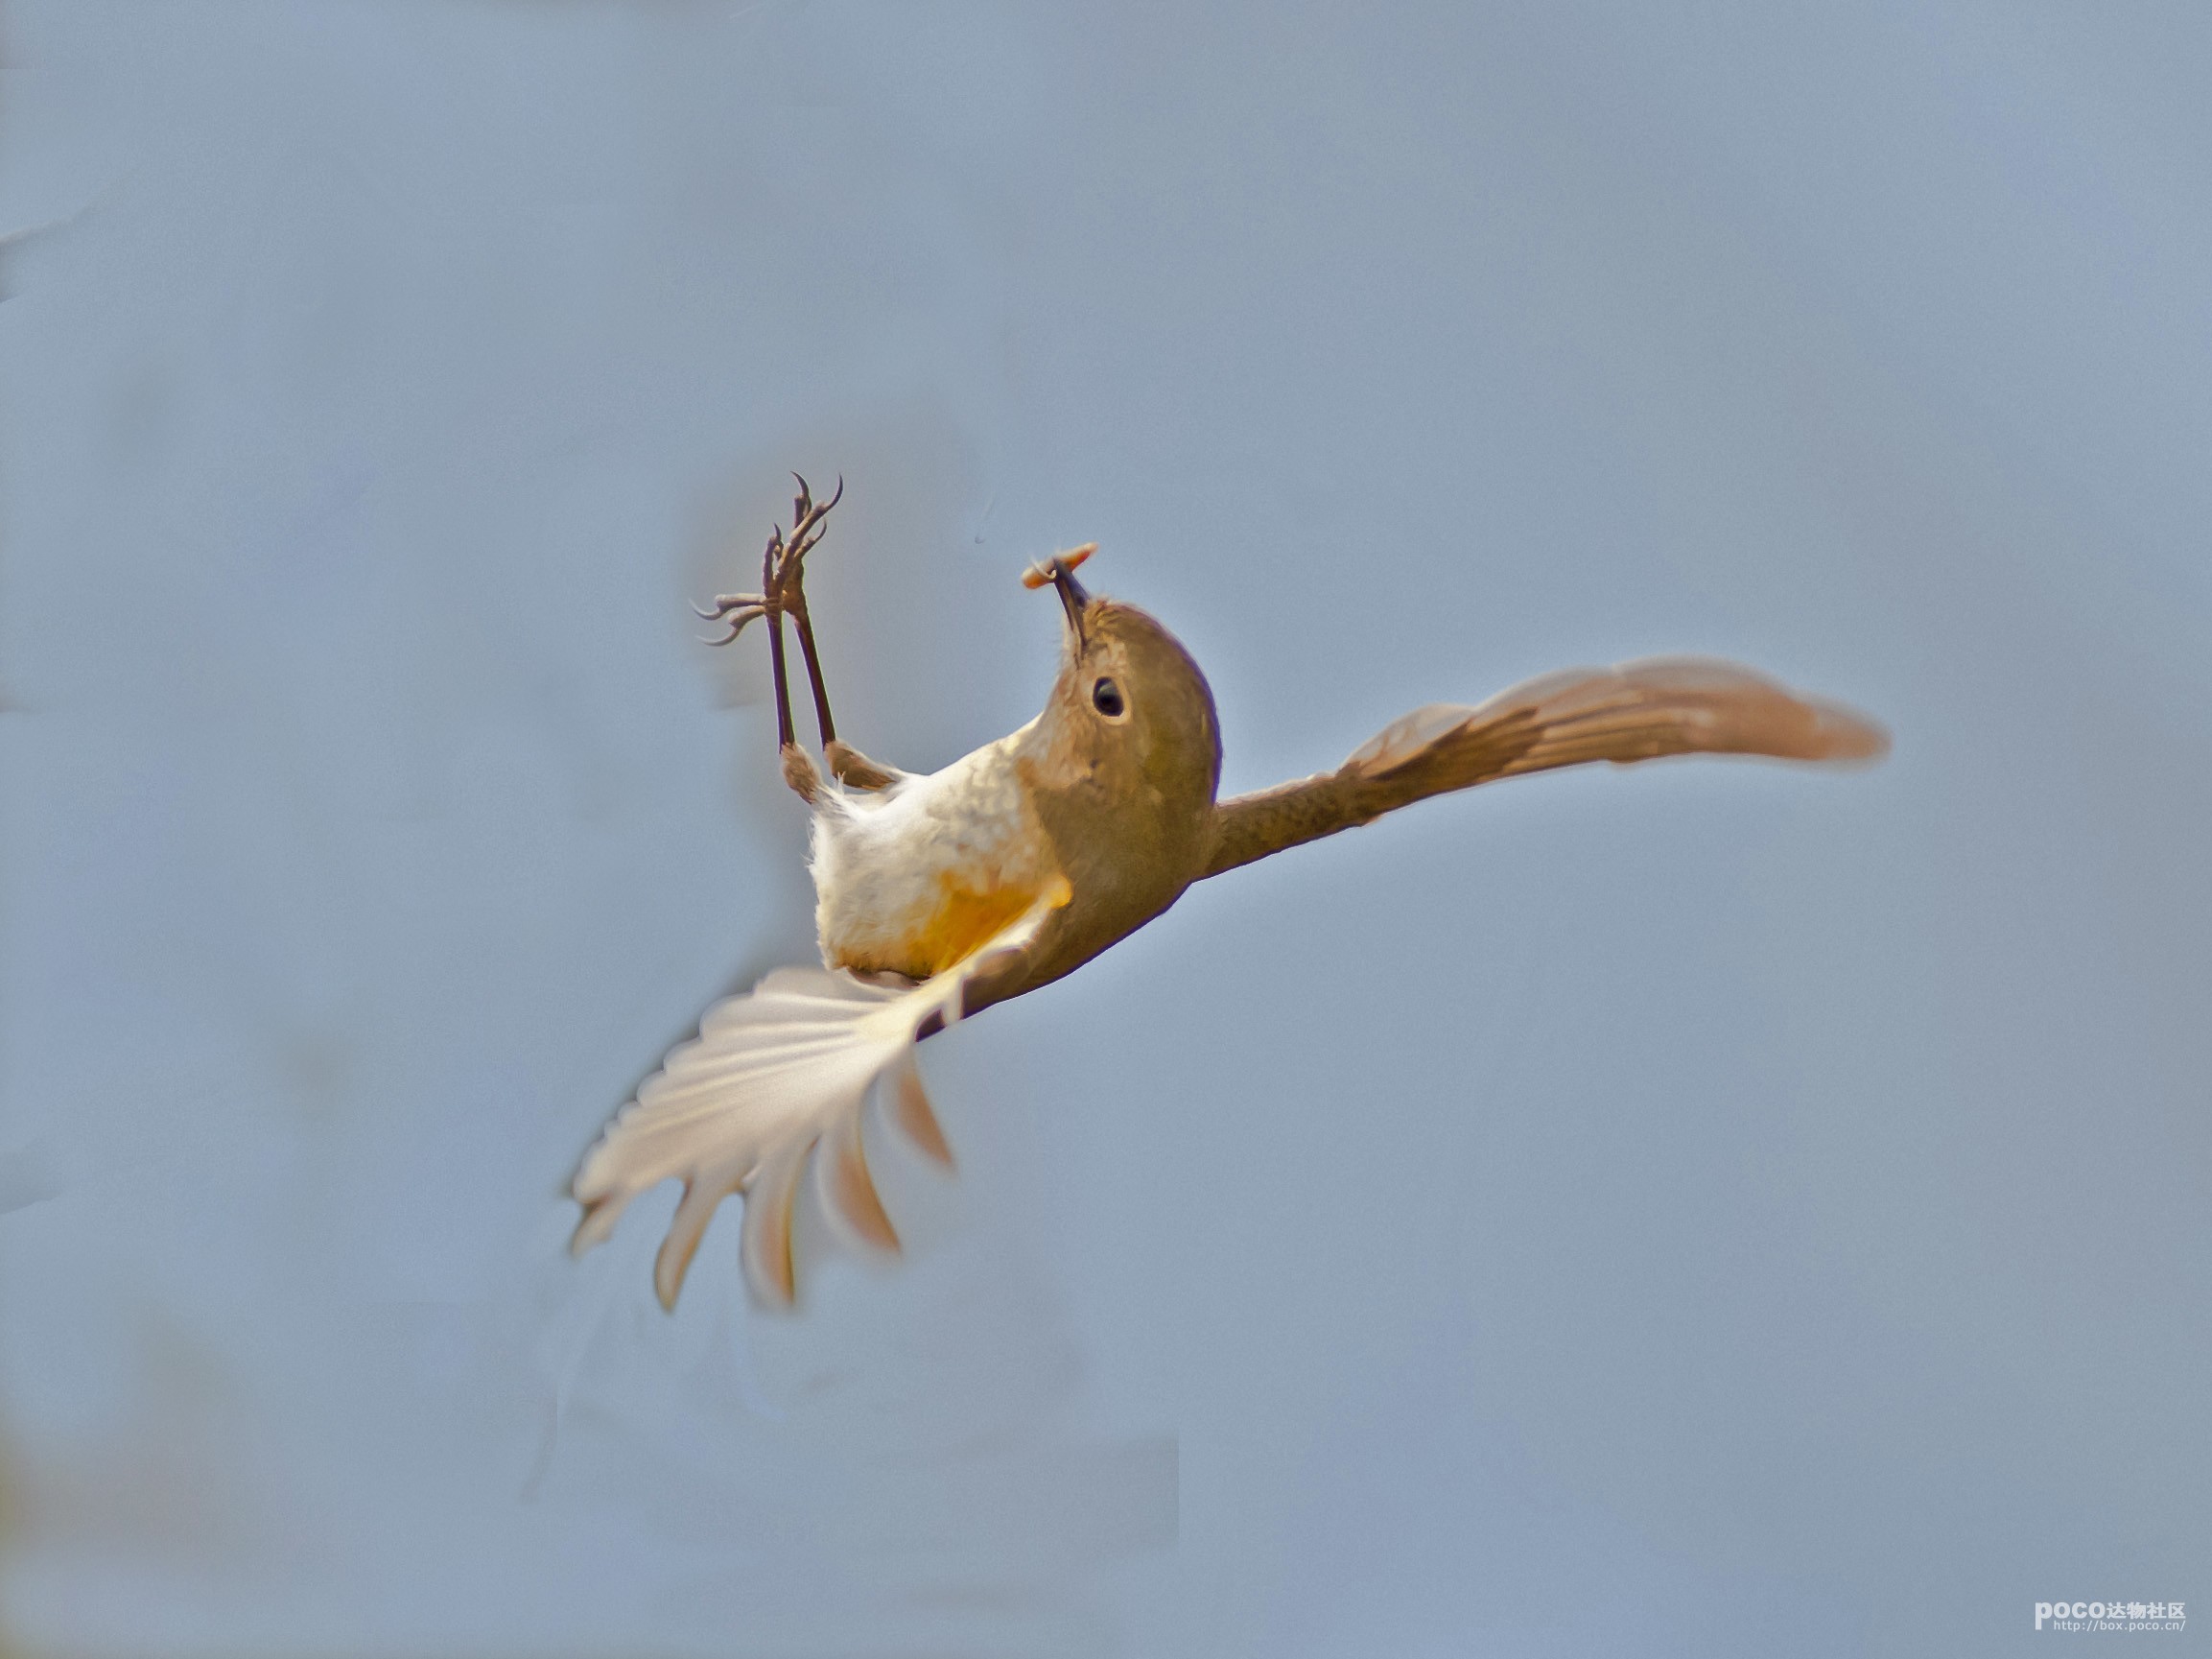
777	1080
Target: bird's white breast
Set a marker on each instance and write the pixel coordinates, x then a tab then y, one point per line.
913	877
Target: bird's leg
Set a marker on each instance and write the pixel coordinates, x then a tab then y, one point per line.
786	580
784	593
779	587
798	766
856	768
847	763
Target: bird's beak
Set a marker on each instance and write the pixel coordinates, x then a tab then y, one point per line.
1060	571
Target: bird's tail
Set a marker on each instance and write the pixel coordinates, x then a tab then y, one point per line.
775	1079
776	1082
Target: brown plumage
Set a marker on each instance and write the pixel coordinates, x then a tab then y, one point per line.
1663	706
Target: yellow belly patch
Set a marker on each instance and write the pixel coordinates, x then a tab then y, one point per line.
964	923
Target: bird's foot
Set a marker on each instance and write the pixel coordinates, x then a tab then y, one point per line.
783	570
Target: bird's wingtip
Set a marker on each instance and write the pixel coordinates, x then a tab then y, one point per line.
1847	737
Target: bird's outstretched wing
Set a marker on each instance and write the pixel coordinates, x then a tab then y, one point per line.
1660	705
775	1084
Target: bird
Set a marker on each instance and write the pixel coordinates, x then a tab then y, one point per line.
940	894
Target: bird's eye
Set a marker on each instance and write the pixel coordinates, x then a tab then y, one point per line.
1106	699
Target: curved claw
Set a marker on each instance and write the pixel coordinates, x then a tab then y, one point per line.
725	602
805	501
782	564
737	622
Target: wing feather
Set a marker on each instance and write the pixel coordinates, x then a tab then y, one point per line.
1643	710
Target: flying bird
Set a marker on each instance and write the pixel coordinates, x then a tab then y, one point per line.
939	894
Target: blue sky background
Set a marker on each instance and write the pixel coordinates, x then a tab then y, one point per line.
1706	1209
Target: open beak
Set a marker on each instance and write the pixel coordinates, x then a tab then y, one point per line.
1060	571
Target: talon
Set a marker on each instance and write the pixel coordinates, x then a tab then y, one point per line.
737	622
725	602
782	564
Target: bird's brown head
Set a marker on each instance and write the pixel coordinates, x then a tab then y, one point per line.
1127	753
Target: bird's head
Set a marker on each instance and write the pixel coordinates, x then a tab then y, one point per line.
1130	719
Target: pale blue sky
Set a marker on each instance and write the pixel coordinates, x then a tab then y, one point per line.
1706	1209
